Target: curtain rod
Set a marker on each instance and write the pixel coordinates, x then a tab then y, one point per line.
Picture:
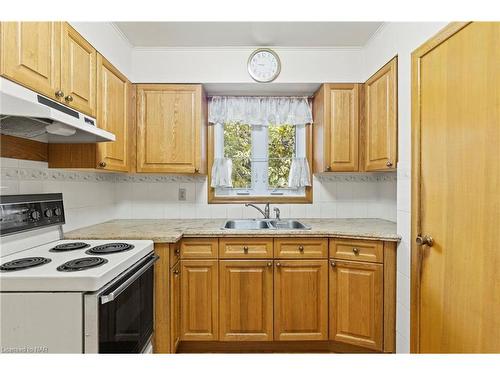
261	96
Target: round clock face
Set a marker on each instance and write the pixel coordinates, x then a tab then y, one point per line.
264	65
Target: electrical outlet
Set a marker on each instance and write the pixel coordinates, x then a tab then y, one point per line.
182	194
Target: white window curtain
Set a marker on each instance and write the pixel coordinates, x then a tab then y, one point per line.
260	111
300	175
222	169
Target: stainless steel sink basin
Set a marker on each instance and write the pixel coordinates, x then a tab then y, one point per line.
254	224
289	224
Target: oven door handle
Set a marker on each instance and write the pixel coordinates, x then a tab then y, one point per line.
115	293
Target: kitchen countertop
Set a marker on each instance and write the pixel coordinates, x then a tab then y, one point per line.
171	230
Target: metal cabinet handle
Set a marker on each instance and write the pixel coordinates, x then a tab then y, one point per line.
278	264
333	263
269	264
68	98
245	249
176	272
177	251
424	240
328	169
389	164
196	170
301	248
121	288
355	250
102	164
59	94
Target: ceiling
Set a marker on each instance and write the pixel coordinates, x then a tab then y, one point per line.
238	34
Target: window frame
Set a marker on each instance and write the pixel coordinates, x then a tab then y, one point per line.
214	199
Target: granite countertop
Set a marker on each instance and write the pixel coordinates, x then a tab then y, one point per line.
170	231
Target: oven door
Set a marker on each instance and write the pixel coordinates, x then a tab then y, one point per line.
125	311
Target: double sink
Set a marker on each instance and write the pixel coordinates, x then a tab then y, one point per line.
263	224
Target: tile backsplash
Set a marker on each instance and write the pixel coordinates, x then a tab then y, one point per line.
92	197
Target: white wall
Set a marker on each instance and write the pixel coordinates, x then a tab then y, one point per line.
223	65
401	39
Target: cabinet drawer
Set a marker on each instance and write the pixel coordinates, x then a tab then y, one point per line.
300	248
246	247
175	253
199	248
367	251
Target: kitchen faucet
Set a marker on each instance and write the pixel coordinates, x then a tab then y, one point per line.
264	212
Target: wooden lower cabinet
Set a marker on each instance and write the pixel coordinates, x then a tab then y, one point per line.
199	300
356	303
175	307
301	300
246	300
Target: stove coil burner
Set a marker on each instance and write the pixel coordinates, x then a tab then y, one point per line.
81	264
69	246
109	248
24	263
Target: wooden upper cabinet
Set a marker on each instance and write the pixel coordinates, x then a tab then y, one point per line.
171	128
356	303
381	119
199	300
112	115
336	128
30	55
246	300
301	300
78	71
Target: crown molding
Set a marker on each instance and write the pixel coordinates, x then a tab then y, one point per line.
122	35
245	49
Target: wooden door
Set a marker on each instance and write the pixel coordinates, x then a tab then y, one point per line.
112	115
356	303
30	55
175	307
246	300
381	119
199	300
78	71
169	128
301	300
456	196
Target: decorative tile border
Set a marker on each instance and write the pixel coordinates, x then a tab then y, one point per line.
357	177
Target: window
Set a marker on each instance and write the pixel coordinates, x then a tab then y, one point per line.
261	157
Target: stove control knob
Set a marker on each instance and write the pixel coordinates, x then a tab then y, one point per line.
35	215
48	212
57	211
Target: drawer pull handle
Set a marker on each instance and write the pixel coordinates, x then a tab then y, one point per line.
301	248
59	94
245	249
278	264
333	263
269	264
355	251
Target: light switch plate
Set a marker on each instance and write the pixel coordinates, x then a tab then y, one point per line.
182	194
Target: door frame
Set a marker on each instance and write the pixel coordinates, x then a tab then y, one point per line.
416	56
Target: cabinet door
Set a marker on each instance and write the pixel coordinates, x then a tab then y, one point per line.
169	128
199	300
356	296
301	300
112	115
381	119
246	300
30	55
78	71
343	127
175	307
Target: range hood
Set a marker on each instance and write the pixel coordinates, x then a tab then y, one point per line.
27	114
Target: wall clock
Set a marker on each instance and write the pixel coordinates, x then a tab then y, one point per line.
264	65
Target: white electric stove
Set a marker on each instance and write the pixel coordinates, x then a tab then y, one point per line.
59	296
